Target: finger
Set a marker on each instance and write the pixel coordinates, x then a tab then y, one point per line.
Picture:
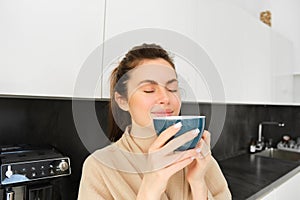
157	162
172	169
180	140
206	137
181	155
201	157
203	149
165	136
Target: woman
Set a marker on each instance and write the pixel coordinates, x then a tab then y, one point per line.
140	164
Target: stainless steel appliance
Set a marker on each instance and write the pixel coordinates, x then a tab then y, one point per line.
27	171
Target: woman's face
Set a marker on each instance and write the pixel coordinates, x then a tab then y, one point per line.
152	91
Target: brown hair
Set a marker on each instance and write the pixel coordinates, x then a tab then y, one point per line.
118	83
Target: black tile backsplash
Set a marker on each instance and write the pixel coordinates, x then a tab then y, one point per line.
36	120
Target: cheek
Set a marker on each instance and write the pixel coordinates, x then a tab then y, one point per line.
175	100
139	103
139	109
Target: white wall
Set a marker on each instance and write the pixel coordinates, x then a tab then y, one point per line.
252	7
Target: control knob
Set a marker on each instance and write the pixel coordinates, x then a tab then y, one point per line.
9	172
63	165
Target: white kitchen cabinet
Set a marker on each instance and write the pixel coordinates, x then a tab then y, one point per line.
282	67
176	16
237	45
47	46
287	190
44	44
296	87
254	61
270	196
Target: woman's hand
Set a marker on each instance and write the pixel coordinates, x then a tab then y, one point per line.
165	162
197	169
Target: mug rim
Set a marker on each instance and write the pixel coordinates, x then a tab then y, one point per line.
180	117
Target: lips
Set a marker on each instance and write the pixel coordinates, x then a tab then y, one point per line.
162	113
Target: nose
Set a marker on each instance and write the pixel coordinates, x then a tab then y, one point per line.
163	95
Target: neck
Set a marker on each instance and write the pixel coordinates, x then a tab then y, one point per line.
142	132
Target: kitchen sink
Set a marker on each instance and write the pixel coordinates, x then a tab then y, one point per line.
279	154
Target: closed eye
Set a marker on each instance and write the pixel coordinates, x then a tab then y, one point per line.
172	86
148	91
172	90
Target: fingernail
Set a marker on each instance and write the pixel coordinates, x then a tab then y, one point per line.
198	150
193	158
196	131
178	125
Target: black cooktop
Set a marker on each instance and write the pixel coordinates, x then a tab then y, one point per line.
26	152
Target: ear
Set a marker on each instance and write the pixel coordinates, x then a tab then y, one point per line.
121	101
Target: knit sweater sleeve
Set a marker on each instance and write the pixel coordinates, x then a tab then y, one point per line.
92	185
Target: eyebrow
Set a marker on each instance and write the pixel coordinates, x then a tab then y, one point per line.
171	81
154	82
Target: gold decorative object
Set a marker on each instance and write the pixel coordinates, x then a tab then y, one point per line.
265	17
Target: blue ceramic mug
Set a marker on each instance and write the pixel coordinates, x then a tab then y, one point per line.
188	123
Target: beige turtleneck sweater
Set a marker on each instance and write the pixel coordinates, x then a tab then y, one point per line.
115	173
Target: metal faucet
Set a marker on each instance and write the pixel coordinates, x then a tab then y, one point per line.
260	143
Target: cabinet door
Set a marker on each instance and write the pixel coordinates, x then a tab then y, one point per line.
45	43
128	15
289	189
281	69
270	196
